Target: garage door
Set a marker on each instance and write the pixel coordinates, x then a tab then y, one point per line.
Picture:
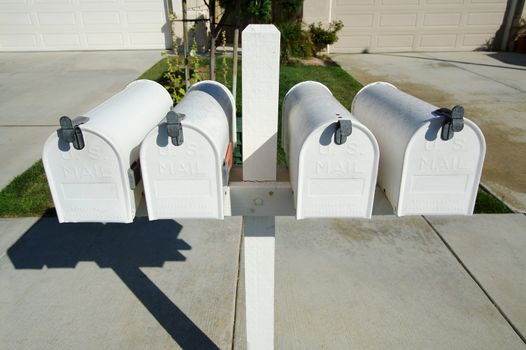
27	25
416	25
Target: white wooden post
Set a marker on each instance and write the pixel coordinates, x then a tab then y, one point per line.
260	74
259	240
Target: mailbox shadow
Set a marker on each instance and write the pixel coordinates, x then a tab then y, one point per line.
162	135
125	248
435	124
327	135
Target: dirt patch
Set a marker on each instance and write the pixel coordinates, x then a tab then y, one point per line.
412	231
315	61
428	94
505	164
422	91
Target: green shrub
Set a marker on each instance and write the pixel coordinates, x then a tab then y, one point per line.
286	10
173	78
259	11
295	41
322	37
291	6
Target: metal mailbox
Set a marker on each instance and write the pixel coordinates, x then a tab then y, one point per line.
91	162
185	160
431	159
332	157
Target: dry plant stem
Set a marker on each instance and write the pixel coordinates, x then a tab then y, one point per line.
224	66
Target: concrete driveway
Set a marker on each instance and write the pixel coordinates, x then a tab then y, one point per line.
385	283
491	87
37	88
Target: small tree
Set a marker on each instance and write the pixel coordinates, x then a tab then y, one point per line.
322	37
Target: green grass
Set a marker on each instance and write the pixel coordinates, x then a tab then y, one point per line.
342	85
155	72
489	204
28	194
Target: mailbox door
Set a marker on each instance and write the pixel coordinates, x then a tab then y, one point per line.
87	185
442	177
181	181
337	180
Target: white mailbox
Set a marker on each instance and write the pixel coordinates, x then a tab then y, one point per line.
91	162
332	157
431	158
185	159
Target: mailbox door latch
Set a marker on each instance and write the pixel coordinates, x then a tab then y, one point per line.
343	130
175	128
134	174
70	131
453	122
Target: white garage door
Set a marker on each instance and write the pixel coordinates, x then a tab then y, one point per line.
415	25
27	25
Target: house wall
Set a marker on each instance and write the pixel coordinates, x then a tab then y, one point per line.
197	30
409	25
316	11
52	25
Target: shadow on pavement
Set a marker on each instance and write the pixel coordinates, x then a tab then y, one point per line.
514	58
505	57
125	248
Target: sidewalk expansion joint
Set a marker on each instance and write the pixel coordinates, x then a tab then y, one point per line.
517	331
239	262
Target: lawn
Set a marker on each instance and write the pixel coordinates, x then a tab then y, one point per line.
28	194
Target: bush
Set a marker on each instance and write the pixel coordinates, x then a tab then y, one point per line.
259	11
295	41
286	10
322	37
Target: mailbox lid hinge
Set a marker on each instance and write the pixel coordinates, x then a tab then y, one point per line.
453	121
174	127
70	131
343	130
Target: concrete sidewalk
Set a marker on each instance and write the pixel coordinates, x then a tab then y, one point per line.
146	285
491	87
395	283
390	283
38	88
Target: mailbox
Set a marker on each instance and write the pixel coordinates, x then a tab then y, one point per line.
431	158
332	157
185	160
91	162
